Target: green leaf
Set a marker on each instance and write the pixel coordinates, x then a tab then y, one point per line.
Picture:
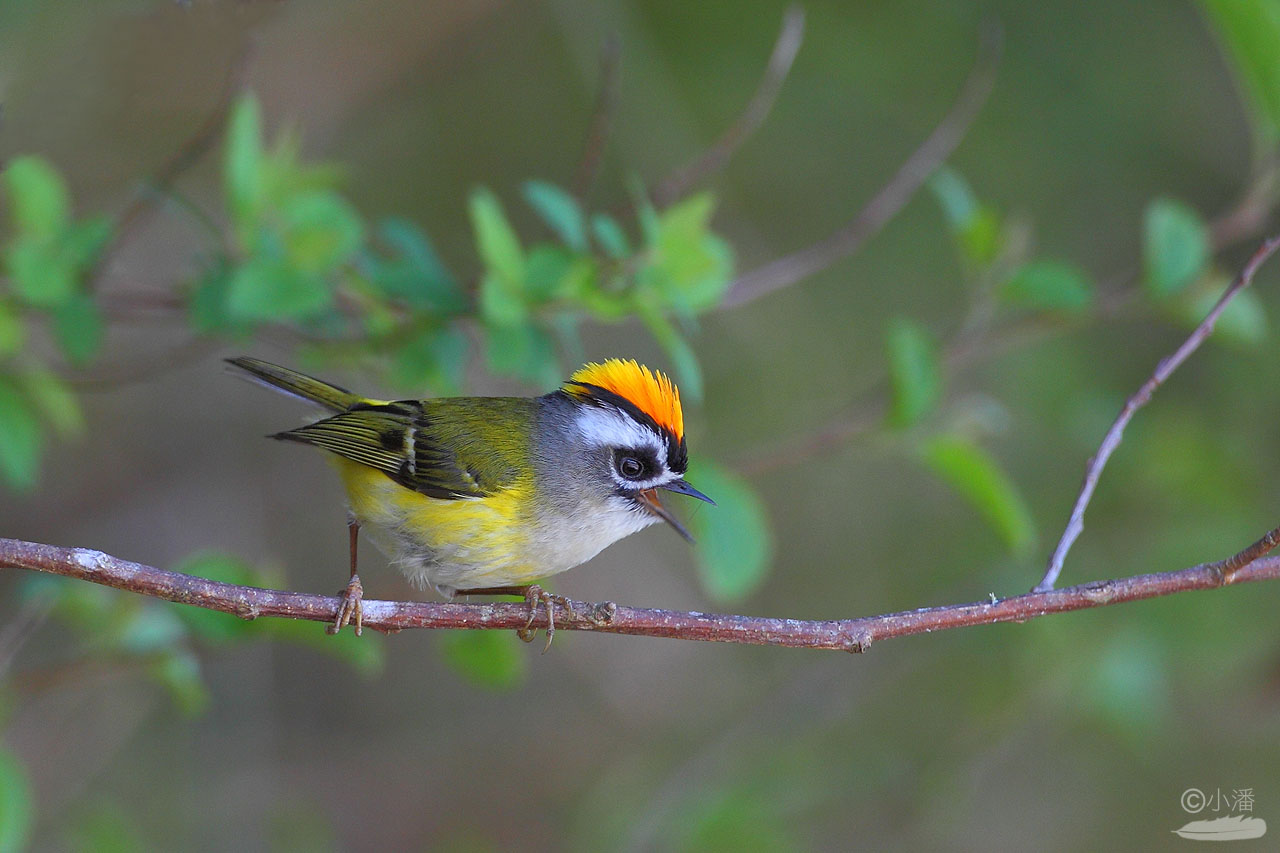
975	225
915	375
496	240
689	266
212	626
269	290
734	540
207	305
151	628
320	231
43	276
37	196
560	211
1250	33
1128	684
108	828
83	241
739	820
365	654
434	359
55	400
687	370
501	304
17	806
610	236
243	162
89	609
547	273
976	477
13	330
488	659
1242	323
78	328
645	213
179	673
526	352
1049	286
417	274
21	439
1175	246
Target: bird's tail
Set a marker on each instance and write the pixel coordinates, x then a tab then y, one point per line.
297	384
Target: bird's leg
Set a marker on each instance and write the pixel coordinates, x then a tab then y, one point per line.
350	610
536	597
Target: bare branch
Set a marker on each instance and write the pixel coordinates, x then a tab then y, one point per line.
852	635
892	197
1110	441
187	155
584	177
757	110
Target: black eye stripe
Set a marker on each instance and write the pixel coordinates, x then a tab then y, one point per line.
634	463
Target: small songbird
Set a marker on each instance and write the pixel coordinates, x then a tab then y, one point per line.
488	494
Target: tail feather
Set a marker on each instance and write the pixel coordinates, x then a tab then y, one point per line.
298	384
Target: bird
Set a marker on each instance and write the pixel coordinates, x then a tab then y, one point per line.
486	495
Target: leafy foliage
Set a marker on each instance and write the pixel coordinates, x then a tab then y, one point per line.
1175	246
975	225
298	254
734	539
16	807
979	479
1250	31
488	659
1049	286
915	375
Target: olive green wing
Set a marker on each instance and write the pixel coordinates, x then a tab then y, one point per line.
447	449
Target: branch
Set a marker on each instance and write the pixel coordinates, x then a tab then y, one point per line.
756	111
584	177
886	204
852	635
187	155
1110	441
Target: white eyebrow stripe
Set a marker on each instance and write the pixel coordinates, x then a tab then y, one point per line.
608	427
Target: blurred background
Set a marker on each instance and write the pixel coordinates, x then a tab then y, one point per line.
903	427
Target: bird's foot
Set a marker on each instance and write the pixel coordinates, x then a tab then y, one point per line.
602	614
538	599
350	610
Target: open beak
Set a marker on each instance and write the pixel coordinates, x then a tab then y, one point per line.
649	497
680	487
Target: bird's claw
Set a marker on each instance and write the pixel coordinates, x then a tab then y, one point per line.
537	599
350	610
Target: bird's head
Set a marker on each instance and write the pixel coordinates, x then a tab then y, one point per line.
629	421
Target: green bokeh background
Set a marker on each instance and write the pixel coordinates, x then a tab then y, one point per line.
1073	732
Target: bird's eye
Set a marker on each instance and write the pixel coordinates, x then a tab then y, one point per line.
631	467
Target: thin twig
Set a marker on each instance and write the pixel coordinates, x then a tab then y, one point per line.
1110	441
1117	301
748	122
584	177
851	635
892	197
183	158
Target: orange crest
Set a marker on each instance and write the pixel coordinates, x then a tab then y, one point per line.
649	391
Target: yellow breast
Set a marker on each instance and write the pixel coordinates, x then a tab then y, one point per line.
461	544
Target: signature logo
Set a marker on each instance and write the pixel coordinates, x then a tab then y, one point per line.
1238	824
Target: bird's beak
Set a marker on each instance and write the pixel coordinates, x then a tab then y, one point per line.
680	487
649	497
